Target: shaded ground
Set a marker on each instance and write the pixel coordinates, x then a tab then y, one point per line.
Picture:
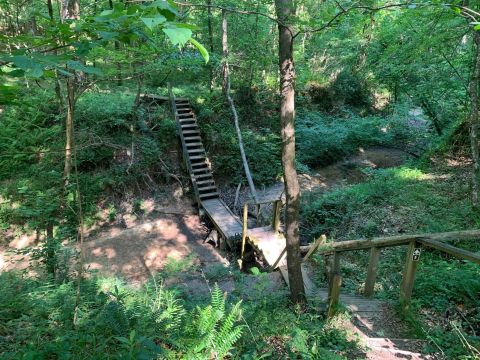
351	170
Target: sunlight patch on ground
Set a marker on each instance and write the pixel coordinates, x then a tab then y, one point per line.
415	174
22	242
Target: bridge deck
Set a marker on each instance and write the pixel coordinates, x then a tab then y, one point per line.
269	243
224	219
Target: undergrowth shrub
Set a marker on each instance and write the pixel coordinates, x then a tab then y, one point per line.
113	321
323	140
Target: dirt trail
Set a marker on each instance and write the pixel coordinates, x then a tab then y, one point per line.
350	171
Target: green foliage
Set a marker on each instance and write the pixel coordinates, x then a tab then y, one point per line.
323	140
374	207
114	322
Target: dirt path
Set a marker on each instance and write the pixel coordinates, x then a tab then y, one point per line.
351	170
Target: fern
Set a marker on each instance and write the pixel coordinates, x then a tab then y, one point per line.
212	330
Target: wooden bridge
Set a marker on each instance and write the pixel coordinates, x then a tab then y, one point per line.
269	242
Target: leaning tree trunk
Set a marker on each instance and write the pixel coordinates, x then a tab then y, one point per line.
475	119
225	52
285	9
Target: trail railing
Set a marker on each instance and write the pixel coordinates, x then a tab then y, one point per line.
414	243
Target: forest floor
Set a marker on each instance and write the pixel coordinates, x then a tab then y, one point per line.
170	242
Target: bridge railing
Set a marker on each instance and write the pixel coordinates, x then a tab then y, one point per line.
414	243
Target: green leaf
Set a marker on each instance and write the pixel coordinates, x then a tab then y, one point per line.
106	12
31	67
254	270
178	36
200	48
152	22
108	35
78	66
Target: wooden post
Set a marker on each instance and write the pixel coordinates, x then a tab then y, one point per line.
335	269
277	206
372	272
244	232
409	274
334	294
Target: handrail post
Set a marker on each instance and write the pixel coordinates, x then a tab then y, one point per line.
277	206
334	295
244	233
372	272
409	271
334	284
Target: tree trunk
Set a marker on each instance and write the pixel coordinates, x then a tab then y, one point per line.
70	9
474	119
285	9
67	170
210	37
240	141
50	9
225	52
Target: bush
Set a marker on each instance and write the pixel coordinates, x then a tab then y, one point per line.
323	140
113	321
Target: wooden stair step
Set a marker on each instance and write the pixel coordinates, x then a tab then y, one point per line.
186	132
193	144
197	157
186	126
195	151
207	188
182	121
203	182
203	176
192	138
201	171
214	194
200	165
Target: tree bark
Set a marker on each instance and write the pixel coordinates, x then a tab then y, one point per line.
70	9
210	37
240	141
285	9
475	119
225	52
67	170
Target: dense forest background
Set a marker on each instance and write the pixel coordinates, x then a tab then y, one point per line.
80	150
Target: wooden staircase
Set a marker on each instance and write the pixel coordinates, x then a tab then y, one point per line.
194	152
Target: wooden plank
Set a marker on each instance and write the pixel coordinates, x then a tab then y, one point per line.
225	221
196	151
309	287
321	240
372	272
268	242
452	250
408	279
334	295
207	188
363	244
210	181
277	207
244	233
